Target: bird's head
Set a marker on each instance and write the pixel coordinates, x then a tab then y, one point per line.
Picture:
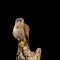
20	31
19	20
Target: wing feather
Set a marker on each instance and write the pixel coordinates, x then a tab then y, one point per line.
26	30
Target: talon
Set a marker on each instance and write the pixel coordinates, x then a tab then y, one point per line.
21	43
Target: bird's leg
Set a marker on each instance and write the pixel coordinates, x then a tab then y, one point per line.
22	42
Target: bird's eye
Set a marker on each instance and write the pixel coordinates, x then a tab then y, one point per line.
20	20
17	21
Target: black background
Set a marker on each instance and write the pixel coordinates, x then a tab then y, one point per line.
38	23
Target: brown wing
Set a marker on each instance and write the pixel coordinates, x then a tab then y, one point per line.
26	30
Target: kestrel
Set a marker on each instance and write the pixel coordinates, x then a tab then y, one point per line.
21	30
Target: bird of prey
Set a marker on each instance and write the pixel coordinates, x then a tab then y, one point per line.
21	30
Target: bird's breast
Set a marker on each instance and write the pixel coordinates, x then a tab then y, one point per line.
18	32
15	32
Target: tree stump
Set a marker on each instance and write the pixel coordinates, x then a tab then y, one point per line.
24	53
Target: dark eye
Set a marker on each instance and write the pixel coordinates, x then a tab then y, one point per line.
20	20
17	21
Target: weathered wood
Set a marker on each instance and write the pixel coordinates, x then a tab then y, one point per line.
24	53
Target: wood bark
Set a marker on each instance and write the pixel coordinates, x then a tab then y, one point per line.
26	54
